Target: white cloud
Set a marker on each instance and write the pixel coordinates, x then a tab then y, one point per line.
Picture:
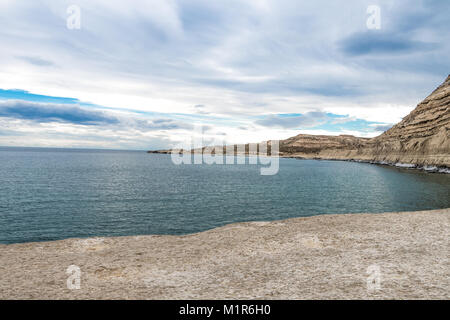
240	59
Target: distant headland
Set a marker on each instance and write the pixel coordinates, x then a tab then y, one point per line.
421	140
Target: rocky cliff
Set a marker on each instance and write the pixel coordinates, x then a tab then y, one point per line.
422	138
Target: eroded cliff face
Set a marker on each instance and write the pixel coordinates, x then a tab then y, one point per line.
421	138
322	146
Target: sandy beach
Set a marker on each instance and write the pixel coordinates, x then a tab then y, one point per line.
319	257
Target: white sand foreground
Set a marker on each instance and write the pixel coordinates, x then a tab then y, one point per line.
319	257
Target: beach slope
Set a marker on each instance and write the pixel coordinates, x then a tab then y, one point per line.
319	257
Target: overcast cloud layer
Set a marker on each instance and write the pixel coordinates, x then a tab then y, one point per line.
141	74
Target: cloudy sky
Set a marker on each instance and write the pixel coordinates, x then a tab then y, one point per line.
145	74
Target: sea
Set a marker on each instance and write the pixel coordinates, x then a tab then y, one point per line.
50	194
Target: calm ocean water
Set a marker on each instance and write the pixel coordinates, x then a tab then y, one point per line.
48	194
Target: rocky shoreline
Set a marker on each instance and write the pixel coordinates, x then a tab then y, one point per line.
426	168
421	140
317	257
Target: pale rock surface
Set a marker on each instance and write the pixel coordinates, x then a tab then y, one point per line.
319	257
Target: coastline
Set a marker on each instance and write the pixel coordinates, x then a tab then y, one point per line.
317	257
398	164
420	140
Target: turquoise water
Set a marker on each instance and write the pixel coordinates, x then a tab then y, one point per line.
48	194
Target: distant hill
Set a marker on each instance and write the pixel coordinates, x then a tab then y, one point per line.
422	138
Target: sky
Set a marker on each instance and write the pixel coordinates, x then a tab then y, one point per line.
147	74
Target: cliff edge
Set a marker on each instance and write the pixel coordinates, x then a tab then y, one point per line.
421	138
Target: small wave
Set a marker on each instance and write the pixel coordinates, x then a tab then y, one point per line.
405	165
